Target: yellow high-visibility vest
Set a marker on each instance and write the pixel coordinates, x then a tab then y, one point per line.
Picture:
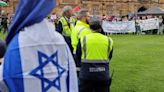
81	29
96	48
67	30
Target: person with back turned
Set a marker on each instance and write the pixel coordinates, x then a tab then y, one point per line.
94	51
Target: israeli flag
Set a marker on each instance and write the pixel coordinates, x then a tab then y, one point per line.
38	60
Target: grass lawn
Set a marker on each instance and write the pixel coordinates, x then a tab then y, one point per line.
138	62
2	35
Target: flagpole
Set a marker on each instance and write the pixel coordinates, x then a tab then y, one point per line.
115	8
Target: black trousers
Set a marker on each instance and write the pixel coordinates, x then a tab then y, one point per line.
94	86
68	41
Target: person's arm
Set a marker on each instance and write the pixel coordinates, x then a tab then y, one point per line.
102	31
3	86
59	27
111	54
110	48
74	40
2	49
78	54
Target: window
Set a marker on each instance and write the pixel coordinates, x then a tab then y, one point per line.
154	0
109	10
70	1
95	10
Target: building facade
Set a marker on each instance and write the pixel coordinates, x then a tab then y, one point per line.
12	5
101	7
118	7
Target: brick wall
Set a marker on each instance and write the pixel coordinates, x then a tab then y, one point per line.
99	7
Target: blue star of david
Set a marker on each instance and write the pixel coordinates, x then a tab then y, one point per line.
43	61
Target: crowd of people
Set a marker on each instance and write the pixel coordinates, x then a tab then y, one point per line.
5	20
92	69
40	57
126	18
72	56
137	19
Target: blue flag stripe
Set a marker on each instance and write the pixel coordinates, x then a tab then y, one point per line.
12	72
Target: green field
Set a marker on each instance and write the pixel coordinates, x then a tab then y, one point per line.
138	62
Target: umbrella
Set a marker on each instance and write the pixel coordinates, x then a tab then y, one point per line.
2	3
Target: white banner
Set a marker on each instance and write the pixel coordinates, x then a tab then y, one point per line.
119	27
149	24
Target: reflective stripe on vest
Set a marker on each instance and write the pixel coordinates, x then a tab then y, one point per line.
84	47
81	30
108	47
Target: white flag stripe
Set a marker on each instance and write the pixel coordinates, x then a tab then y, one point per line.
31	42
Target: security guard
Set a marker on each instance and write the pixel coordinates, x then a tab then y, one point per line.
95	51
66	24
82	28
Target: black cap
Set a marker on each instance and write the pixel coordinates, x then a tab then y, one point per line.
95	24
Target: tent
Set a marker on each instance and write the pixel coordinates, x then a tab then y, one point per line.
152	11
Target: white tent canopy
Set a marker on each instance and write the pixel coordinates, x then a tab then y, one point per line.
152	11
